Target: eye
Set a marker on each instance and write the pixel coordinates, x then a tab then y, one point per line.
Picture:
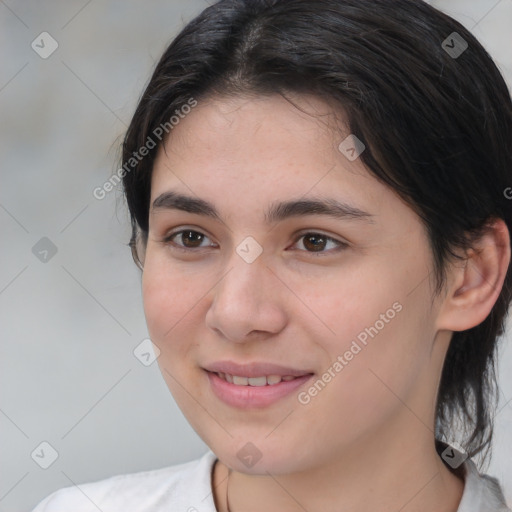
313	242
189	236
318	241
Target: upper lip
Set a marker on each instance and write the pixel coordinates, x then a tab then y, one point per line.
253	369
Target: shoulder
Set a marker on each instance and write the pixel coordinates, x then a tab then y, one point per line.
186	485
482	493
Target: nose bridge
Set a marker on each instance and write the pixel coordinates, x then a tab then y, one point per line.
247	266
243	285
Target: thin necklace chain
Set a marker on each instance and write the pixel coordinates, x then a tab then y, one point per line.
227	489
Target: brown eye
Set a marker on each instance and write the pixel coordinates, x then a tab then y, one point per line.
317	242
314	243
190	239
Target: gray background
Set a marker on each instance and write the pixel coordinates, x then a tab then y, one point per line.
69	325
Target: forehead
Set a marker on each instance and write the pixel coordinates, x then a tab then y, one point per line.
300	116
256	140
248	156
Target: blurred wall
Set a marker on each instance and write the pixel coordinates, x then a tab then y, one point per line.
70	303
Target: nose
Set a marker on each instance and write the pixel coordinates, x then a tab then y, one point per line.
248	300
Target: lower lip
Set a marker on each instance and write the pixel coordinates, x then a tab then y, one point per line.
246	397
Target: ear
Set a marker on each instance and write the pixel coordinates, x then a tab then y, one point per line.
475	286
138	244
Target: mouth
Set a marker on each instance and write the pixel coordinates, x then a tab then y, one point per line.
243	392
265	380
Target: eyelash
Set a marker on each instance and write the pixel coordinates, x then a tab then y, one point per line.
341	245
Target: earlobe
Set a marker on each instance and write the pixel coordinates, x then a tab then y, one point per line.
476	285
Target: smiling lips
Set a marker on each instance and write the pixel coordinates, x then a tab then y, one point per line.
266	380
253	384
254	370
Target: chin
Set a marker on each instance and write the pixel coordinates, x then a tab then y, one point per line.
254	461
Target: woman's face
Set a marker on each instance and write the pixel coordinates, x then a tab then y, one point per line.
344	297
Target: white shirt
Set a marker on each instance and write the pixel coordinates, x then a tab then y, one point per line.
187	488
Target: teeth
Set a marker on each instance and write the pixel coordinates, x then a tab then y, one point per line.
269	380
273	379
257	381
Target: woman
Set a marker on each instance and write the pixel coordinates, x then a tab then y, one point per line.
318	197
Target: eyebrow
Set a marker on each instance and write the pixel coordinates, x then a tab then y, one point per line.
277	212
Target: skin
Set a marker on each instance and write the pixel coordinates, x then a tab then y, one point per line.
366	440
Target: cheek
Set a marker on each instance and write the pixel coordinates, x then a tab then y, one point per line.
171	298
368	384
159	302
170	303
377	345
351	303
